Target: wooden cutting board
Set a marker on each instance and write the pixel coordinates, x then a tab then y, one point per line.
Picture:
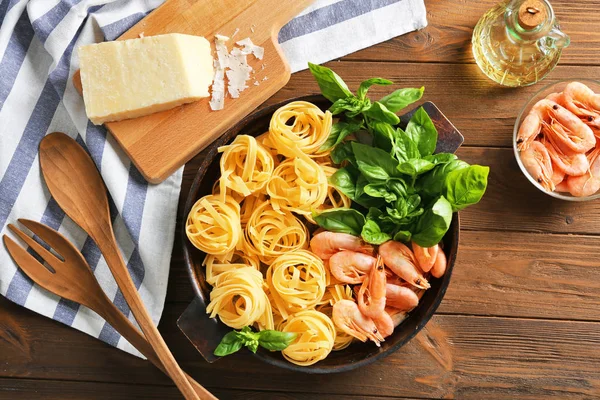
160	143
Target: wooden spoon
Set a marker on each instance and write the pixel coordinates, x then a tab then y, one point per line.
77	187
73	279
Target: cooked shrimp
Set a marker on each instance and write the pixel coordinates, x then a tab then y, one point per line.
325	244
589	183
371	295
557	175
396	315
583	102
425	255
555	97
562	187
348	318
532	124
400	297
385	324
350	266
570	163
439	268
401	260
567	131
536	161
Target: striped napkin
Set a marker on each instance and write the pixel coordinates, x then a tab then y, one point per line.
38	39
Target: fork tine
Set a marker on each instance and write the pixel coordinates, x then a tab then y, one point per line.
58	242
32	267
38	248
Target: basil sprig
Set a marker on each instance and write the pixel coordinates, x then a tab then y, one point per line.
269	339
400	189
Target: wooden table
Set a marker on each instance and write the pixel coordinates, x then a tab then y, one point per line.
521	317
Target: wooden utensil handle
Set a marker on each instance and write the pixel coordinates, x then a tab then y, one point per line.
115	262
120	322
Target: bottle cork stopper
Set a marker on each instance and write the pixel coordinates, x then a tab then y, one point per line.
532	13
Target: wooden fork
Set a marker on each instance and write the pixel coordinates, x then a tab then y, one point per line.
73	279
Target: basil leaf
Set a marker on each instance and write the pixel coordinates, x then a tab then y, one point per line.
345	181
341	220
432	183
397	186
383	135
466	186
403	236
441	158
386	224
433	224
404	147
380	190
421	130
339	131
374	163
351	105
331	85
401	98
343	152
276	340
229	344
371	233
415	166
364	199
380	112
365	85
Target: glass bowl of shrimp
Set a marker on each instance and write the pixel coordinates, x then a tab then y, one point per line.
556	140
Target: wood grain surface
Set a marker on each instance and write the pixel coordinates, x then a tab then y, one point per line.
521	318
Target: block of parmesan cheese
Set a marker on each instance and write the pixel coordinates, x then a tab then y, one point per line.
136	77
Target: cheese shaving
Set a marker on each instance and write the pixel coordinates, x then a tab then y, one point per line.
234	65
250	48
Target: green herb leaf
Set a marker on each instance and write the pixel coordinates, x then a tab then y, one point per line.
332	86
341	220
344	179
383	135
365	85
343	152
432	183
339	131
371	233
380	190
441	158
421	130
466	186
352	106
229	344
404	147
403	236
380	112
401	98
276	340
433	224
415	166
374	163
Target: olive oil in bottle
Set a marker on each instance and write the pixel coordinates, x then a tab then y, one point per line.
518	42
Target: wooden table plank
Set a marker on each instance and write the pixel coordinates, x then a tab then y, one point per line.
447	38
454	356
38	389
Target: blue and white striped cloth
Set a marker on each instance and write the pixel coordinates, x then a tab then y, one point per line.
38	39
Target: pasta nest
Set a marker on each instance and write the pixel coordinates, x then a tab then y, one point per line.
213	225
300	127
299	185
239	299
270	233
316	336
246	166
215	267
297	281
